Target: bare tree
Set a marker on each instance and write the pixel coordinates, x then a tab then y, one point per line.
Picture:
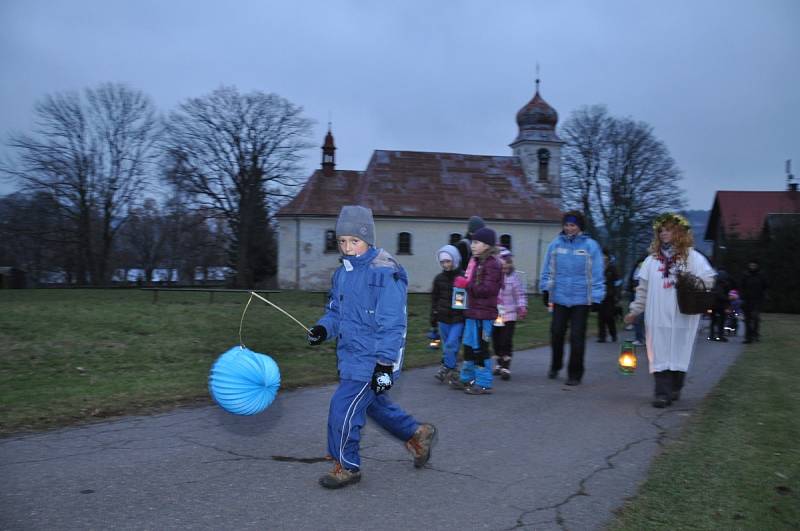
91	153
238	155
144	237
621	176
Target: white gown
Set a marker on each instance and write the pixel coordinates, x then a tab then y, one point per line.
670	334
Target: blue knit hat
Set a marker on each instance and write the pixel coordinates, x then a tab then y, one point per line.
356	221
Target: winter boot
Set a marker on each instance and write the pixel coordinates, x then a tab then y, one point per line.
663	391
443	374
677	384
339	477
505	374
420	444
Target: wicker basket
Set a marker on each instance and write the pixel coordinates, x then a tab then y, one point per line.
694	297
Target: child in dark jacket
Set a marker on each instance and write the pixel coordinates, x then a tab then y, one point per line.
366	314
483	281
448	321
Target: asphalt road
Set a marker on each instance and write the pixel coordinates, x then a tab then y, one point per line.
534	455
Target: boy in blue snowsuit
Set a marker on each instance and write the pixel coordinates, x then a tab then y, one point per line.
366	313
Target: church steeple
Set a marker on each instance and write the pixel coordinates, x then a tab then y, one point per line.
328	156
538	146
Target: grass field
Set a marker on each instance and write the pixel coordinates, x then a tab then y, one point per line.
737	465
68	356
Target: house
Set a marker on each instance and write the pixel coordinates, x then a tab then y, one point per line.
422	200
741	216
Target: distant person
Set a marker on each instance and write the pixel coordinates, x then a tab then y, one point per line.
720	307
464	246
512	306
638	324
482	282
366	314
670	334
753	290
447	321
573	280
607	312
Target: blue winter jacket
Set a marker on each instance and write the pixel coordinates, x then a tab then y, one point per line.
366	313
573	271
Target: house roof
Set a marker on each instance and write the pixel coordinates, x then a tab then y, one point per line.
428	185
743	213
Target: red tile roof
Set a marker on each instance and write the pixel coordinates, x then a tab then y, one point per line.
743	213
428	185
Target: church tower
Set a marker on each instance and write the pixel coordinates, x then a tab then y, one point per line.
328	156
538	147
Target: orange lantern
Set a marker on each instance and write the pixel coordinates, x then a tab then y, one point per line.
627	358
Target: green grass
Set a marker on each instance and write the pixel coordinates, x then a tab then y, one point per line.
737	464
68	356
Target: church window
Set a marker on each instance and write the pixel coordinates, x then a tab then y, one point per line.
544	164
330	242
505	241
455	238
404	243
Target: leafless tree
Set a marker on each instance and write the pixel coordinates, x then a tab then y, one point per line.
91	153
622	176
238	155
144	237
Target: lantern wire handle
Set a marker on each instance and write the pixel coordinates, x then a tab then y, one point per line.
284	312
241	321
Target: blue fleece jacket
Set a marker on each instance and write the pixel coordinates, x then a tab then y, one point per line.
573	271
366	313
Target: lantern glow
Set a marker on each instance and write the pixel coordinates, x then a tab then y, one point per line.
627	358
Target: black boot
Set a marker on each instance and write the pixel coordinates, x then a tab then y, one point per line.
663	391
677	384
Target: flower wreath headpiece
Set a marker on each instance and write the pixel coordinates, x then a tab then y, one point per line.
671	217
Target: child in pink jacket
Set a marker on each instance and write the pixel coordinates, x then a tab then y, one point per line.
512	305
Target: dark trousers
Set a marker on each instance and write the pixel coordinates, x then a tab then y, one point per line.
717	324
606	319
502	341
575	318
752	319
669	384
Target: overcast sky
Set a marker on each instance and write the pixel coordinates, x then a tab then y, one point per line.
718	80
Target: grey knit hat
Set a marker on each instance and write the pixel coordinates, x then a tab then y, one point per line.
356	221
475	223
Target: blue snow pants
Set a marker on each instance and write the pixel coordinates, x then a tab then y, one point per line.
351	403
451	342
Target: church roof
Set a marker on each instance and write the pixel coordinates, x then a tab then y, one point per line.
419	184
742	213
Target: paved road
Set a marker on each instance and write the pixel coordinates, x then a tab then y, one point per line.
534	455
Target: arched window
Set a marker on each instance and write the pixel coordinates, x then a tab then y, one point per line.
404	243
330	242
544	164
505	241
455	238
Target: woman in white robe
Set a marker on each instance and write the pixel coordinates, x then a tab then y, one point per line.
670	334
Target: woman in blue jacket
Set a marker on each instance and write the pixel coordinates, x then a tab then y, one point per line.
573	280
366	314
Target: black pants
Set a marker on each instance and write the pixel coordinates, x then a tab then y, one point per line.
752	319
669	384
575	318
606	319
502	341
717	323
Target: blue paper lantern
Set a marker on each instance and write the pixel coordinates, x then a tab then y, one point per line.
244	382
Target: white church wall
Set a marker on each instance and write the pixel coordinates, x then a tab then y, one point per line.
315	266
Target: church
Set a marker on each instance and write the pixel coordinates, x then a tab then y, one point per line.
422	201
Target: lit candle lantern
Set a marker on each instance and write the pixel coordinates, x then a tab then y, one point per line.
627	358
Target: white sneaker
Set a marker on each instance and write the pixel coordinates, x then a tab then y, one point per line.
637	343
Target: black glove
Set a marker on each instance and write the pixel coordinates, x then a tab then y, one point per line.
595	307
317	335
381	378
546	298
